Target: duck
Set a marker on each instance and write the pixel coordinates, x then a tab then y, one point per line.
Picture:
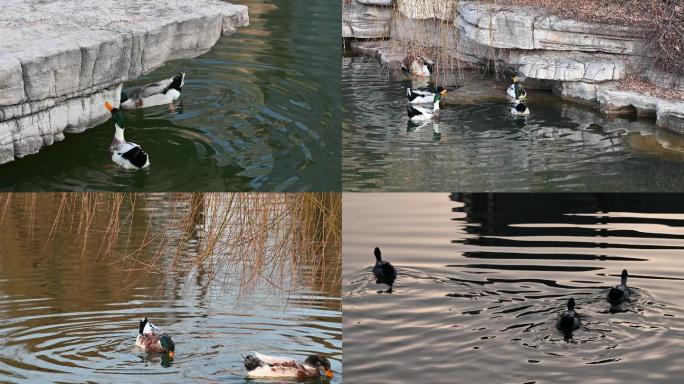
384	272
417	66
259	365
422	114
152	339
159	93
619	294
569	320
423	97
520	109
516	91
127	155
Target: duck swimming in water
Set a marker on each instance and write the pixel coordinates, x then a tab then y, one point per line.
422	114
516	91
159	93
264	366
520	109
125	154
423	97
569	320
384	271
152	339
619	294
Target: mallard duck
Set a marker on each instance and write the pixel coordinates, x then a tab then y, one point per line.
263	366
417	66
423	97
384	271
421	114
520	109
152	339
127	155
569	320
159	93
619	294
516	91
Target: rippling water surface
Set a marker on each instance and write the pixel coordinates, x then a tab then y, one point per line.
482	279
69	317
479	146
260	111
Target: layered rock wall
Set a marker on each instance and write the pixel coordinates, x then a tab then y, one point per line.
60	60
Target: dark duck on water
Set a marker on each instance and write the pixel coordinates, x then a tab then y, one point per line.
619	294
384	271
569	320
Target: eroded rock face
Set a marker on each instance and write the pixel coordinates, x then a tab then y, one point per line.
669	114
59	60
367	19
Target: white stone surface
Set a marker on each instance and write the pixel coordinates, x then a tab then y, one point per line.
669	114
364	19
428	9
65	55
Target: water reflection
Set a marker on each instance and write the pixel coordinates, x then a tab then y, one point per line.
484	277
560	147
69	311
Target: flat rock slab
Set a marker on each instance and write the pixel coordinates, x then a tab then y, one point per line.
55	52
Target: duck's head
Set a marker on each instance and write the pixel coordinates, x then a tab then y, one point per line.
571	304
168	345
378	254
320	363
624	276
442	91
117	115
178	81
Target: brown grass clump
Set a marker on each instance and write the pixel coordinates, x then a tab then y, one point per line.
285	241
635	84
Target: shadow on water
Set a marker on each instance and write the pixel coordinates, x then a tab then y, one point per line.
70	314
478	146
483	278
260	111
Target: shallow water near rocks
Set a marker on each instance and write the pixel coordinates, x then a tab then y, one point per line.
260	111
482	279
478	146
69	317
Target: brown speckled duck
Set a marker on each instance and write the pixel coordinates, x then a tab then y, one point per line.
263	366
152	339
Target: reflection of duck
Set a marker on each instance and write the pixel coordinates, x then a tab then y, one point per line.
152	339
569	320
620	293
384	271
516	91
159	93
520	109
420	114
125	154
423	97
417	66
261	365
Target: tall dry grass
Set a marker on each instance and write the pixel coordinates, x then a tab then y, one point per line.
284	241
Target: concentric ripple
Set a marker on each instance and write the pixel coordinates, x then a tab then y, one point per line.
482	279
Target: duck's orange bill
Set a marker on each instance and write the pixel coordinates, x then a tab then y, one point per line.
329	373
109	108
170	353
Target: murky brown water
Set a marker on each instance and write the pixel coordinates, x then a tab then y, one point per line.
482	279
68	315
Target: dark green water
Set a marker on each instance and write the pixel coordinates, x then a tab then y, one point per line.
260	111
478	146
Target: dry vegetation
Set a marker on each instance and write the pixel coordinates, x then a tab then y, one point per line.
285	241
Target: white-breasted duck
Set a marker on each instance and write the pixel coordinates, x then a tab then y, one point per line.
125	154
422	114
264	366
416	96
160	93
516	91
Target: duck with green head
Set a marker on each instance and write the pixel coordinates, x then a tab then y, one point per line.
152	339
126	154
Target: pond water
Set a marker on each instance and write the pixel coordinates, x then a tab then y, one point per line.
483	277
478	146
70	316
260	111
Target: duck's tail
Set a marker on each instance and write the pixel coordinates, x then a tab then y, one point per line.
143	322
412	111
405	70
